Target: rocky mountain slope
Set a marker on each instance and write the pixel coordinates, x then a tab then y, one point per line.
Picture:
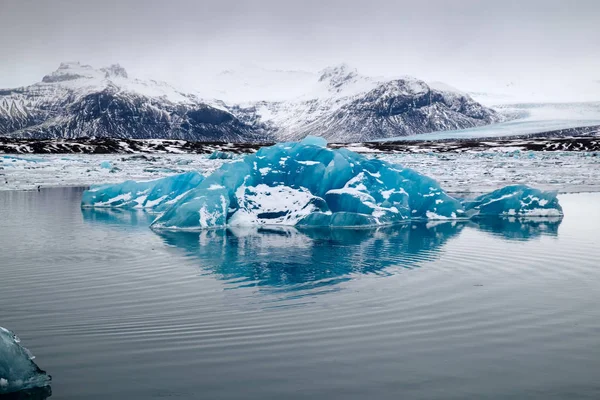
345	106
341	105
77	100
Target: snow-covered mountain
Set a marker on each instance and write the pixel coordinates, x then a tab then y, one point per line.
346	106
338	103
77	100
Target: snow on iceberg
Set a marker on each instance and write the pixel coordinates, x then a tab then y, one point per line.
17	369
156	195
515	200
307	184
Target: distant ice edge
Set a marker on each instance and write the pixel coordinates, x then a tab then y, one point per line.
18	372
306	184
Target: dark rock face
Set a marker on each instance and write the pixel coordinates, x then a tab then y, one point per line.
110	113
79	101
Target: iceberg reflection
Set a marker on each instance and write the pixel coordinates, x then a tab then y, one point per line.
300	258
519	228
282	257
290	257
118	217
29	394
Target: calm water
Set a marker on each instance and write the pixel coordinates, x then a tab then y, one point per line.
492	310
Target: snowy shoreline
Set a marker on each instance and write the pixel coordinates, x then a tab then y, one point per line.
457	172
573	139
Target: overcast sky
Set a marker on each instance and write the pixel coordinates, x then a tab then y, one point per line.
461	42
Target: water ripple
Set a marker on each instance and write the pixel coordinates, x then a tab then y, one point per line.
421	310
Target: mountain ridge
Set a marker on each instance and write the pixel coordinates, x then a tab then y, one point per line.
78	100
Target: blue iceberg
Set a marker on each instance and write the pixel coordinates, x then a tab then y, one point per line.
17	369
154	195
307	184
515	200
221	155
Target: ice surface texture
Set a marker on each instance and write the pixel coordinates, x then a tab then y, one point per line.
515	200
307	184
221	155
156	195
17	370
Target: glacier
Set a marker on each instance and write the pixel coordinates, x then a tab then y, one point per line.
306	184
17	369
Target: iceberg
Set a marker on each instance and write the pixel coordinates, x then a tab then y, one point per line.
17	369
221	155
306	184
516	200
155	195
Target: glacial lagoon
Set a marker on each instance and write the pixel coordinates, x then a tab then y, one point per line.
492	308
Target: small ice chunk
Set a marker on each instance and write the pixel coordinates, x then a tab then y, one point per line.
515	200
221	155
17	369
314	141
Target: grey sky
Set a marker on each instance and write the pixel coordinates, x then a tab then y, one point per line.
461	42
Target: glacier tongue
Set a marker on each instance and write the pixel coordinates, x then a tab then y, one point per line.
306	184
17	369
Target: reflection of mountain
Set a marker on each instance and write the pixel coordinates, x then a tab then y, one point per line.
290	258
